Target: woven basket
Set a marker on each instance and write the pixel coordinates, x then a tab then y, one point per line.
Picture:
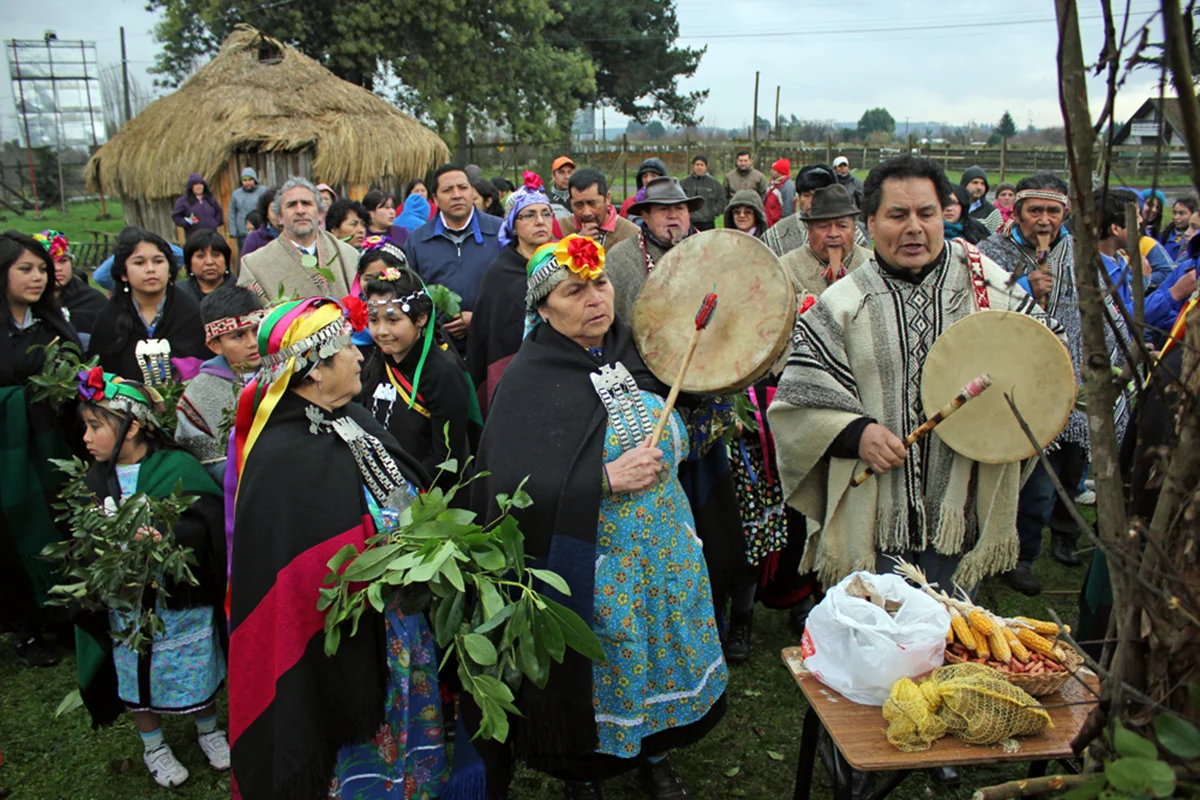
1037	685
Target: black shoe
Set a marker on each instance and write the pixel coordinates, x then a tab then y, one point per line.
662	782
799	614
1062	550
946	776
33	652
737	640
1023	581
578	790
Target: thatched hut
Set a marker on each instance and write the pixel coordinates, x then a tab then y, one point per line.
261	104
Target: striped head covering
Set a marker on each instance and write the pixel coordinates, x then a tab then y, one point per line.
516	202
550	265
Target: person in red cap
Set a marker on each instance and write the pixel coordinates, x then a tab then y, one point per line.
780	201
560	174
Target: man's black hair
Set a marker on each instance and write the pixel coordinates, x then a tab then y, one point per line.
1188	201
741	153
1110	208
700	157
202	240
581	179
900	168
442	170
341	209
502	184
228	301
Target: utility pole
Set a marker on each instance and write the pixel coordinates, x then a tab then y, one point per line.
125	76
754	121
776	112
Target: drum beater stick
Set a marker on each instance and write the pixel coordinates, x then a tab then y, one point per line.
970	391
704	316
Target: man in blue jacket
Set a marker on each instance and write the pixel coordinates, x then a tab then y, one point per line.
456	247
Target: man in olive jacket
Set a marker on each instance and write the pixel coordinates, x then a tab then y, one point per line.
701	184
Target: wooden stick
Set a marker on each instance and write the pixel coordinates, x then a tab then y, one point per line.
708	307
1043	259
970	391
1028	787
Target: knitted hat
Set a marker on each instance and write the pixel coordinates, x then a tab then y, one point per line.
783	167
839	161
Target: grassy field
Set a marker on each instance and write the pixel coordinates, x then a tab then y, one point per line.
79	218
47	758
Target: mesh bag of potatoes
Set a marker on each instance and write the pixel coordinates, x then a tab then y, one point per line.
970	701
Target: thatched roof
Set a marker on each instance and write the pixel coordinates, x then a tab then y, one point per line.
260	95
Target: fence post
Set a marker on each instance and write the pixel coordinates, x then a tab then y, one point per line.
1003	155
829	148
625	164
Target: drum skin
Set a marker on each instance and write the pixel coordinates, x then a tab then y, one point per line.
1024	359
752	326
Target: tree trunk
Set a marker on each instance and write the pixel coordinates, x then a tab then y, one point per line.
460	136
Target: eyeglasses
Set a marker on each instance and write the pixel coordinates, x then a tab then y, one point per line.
526	216
743	210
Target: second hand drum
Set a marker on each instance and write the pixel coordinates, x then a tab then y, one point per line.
752	330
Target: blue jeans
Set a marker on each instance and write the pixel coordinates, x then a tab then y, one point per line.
1039	504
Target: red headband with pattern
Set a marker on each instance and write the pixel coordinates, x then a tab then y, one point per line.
220	327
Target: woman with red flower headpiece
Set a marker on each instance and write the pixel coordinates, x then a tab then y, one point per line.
32	434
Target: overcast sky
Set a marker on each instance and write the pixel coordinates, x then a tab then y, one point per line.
930	61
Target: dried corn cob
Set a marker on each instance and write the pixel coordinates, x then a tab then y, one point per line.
1039	644
999	646
1019	651
1039	626
982	648
980	623
961	629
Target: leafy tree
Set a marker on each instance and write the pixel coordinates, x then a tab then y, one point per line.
632	48
876	120
655	130
1006	126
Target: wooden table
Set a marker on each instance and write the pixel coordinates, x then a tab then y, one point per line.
860	741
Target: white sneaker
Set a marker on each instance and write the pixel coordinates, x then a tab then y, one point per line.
165	767
1087	498
216	748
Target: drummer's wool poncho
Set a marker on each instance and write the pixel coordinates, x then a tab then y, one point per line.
859	352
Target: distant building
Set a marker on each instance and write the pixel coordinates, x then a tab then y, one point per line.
1143	127
583	126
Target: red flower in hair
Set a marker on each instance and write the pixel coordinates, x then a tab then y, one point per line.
95	378
533	181
583	251
356	312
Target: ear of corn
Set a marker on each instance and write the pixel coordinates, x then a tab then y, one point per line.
1039	626
1037	643
999	645
961	629
982	648
1019	651
980	623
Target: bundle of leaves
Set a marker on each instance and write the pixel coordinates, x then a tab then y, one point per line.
58	382
110	560
474	585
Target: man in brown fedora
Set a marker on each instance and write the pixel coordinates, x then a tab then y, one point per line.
666	219
831	251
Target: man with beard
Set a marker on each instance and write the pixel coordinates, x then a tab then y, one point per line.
592	212
1040	209
975	181
295	264
744	176
791	233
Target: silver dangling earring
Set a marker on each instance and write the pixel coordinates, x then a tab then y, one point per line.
126	287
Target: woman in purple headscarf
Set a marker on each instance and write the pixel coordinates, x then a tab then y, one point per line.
499	319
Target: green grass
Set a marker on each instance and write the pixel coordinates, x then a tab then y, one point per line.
48	758
79	217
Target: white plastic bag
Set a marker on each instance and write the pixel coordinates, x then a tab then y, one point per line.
856	648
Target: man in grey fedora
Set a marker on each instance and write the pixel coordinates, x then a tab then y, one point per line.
831	226
666	220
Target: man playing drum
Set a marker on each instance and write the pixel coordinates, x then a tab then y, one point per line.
851	392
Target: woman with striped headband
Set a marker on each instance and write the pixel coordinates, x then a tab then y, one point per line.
314	472
574	412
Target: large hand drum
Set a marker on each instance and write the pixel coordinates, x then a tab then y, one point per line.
1025	361
751	328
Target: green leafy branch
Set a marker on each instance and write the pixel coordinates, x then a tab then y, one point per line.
472	582
58	382
444	300
108	566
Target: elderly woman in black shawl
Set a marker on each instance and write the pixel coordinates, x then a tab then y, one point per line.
574	412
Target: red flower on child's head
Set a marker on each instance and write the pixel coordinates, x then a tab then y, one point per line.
356	312
95	378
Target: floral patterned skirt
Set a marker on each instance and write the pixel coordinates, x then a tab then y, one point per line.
407	757
760	499
186	663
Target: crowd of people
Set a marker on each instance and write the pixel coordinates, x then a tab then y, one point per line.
324	378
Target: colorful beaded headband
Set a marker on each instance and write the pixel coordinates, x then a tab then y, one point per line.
383	244
309	351
112	392
405	302
220	327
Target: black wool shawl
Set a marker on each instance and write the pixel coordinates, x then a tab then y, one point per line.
300	500
119	327
498	323
547	422
82	302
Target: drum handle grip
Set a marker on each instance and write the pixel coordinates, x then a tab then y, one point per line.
971	390
674	394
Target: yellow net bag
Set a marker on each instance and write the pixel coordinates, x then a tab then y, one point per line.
971	701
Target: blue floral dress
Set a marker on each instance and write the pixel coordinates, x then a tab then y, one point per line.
186	662
653	608
407	757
